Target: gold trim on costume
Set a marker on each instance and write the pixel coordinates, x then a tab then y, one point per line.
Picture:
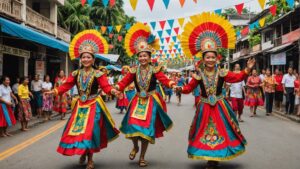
223	72
216	158
74	73
197	77
139	134
85	116
157	69
133	70
136	112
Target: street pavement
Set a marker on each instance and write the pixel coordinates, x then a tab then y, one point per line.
273	143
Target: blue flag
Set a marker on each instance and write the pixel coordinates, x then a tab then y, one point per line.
90	2
153	25
171	23
160	33
166	3
105	2
110	28
169	31
127	26
291	3
218	11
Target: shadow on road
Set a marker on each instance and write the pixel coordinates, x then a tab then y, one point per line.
223	165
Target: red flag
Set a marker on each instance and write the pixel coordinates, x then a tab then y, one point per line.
151	4
83	2
112	3
111	35
273	10
176	30
168	39
170	51
245	31
239	8
160	51
196	1
111	46
120	38
174	50
162	24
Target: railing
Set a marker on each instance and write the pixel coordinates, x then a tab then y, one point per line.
277	42
39	21
63	34
11	8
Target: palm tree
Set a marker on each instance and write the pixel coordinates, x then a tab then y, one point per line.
75	17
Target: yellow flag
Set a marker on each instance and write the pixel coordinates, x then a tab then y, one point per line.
118	28
181	21
133	4
262	4
262	22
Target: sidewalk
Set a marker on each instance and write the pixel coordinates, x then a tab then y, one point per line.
291	117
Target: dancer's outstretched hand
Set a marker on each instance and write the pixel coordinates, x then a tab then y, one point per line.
251	63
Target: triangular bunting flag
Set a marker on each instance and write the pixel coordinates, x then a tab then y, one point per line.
166	2
151	4
111	35
176	30
160	33
90	2
110	28
176	46
218	11
196	1
170	51
239	8
162	24
133	4
262	22
120	38
165	51
112	3
182	2
273	10
181	21
174	38
245	31
179	50
171	23
262	4
251	26
238	33
118	28
162	40
291	3
83	2
168	39
103	29
105	2
169	31
162	47
153	25
97	27
174	50
127	26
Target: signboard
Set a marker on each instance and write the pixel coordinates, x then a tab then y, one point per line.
14	51
278	59
40	68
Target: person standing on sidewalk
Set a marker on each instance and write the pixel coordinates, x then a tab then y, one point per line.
254	96
289	89
237	91
36	88
47	99
269	89
60	101
297	93
278	89
7	118
25	112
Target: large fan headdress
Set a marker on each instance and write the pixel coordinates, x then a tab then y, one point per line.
139	39
90	41
207	32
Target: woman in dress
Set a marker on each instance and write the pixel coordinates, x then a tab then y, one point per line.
25	112
60	101
90	126
254	95
269	84
130	90
123	101
297	93
214	134
146	117
47	99
7	117
278	89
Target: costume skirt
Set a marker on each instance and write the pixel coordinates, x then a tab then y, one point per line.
25	112
60	103
130	94
146	118
215	134
88	130
254	97
7	117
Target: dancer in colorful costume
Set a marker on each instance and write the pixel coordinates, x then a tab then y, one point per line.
123	101
214	133
130	90
90	126
146	117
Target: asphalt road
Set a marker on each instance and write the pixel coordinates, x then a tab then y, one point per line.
273	143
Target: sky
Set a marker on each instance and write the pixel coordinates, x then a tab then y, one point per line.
144	14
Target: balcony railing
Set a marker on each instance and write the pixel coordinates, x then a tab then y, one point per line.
39	21
11	8
63	34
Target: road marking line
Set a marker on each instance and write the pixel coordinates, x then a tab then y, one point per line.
19	147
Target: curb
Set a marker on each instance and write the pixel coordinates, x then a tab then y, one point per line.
291	117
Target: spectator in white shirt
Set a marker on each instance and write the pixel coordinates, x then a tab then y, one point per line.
289	91
7	117
15	87
47	99
262	75
36	88
237	91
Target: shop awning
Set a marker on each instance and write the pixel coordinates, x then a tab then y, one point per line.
108	57
112	67
27	33
278	48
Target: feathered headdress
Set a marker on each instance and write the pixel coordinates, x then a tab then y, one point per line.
139	39
88	41
207	32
